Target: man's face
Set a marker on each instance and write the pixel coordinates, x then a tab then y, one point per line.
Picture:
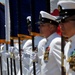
29	29
45	29
67	28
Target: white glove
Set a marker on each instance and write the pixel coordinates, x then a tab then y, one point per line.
34	57
14	50
7	54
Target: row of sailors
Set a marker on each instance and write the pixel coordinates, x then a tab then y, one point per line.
27	58
47	55
44	64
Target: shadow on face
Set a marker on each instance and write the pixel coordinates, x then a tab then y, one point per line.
67	28
46	29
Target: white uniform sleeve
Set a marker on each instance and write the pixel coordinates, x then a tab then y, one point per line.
41	49
55	49
41	45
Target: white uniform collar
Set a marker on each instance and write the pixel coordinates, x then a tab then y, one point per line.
52	36
72	39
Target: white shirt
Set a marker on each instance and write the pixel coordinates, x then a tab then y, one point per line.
53	65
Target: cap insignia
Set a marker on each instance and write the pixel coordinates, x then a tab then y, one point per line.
50	21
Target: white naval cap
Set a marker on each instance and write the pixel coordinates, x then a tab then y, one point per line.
45	17
67	4
28	20
66	8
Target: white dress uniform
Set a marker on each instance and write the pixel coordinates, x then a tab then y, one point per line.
27	54
5	55
4	64
67	9
27	59
69	54
16	54
8	55
50	55
17	60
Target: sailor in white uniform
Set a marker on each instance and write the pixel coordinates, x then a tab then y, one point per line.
27	47
4	64
11	50
8	54
67	25
49	48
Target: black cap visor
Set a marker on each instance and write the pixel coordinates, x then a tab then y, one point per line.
65	19
44	20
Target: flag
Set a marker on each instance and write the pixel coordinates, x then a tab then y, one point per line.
35	10
2	23
7	21
23	12
13	18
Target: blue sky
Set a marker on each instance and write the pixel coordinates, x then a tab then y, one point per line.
3	1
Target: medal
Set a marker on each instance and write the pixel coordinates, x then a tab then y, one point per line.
71	61
46	54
